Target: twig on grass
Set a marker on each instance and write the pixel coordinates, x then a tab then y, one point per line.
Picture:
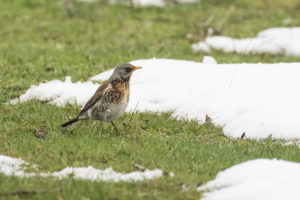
208	21
139	167
204	26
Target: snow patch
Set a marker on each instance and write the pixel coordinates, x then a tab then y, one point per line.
209	60
60	93
93	174
260	179
258	99
201	46
13	167
284	41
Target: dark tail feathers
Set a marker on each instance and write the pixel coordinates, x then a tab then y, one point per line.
69	122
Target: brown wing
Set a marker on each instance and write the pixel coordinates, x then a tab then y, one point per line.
98	95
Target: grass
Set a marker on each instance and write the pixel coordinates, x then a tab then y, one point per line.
40	41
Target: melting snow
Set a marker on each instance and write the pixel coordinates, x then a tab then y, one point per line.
258	99
13	167
209	60
260	179
283	41
59	93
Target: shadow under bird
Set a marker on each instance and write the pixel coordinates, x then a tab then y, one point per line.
111	98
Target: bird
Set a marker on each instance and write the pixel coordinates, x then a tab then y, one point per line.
110	99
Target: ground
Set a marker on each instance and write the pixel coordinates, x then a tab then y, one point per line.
42	40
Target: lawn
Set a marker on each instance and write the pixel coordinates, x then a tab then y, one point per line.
41	40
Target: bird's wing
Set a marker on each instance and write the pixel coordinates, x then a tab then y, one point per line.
101	91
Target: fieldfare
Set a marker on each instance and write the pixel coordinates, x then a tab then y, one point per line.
111	98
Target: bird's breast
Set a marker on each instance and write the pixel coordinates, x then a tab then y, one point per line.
125	98
120	93
115	110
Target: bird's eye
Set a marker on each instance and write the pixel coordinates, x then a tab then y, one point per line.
128	69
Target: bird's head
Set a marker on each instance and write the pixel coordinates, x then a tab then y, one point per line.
124	71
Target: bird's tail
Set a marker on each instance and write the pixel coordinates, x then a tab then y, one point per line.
69	122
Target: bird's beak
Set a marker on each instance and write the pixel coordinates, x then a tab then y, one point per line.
136	67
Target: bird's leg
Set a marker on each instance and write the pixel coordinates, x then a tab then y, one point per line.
115	127
101	122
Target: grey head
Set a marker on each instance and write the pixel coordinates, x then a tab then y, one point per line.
124	71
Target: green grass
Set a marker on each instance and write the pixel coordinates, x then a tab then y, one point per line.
40	41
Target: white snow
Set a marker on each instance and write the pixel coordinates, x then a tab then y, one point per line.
13	167
258	99
209	60
159	3
57	92
260	179
93	174
201	46
283	41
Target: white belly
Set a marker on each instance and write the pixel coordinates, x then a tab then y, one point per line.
112	112
115	110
